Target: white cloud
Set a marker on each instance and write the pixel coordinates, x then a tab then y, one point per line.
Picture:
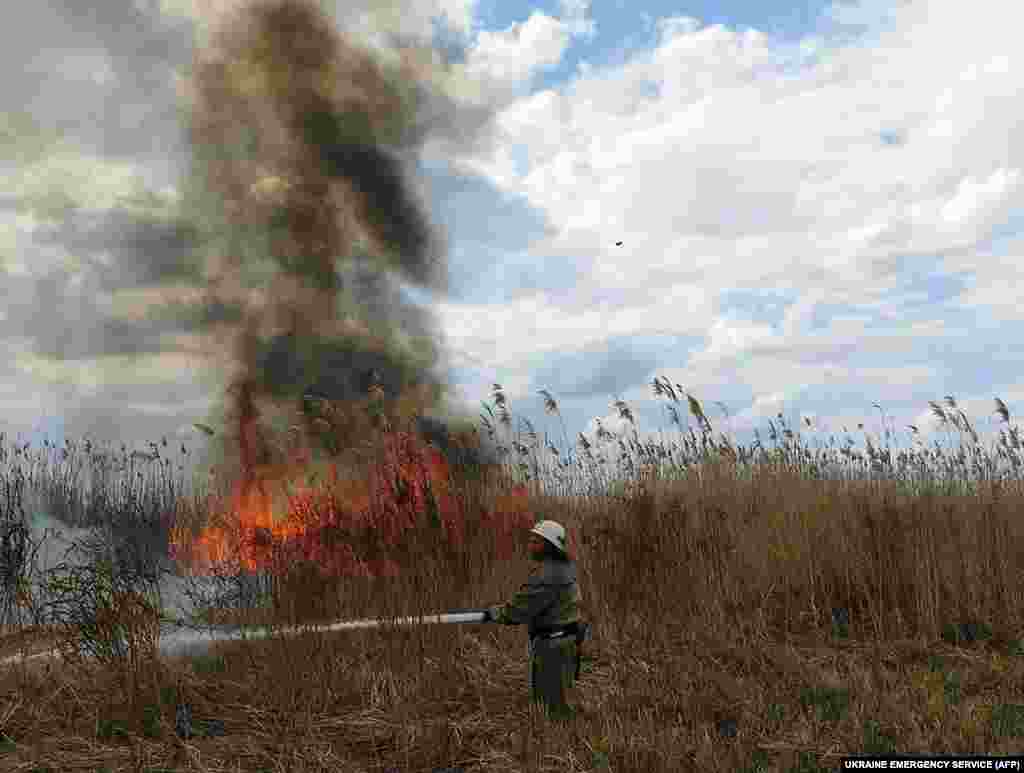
979	197
512	56
728	159
815	160
611	422
729	337
997	289
501	335
800	312
768	405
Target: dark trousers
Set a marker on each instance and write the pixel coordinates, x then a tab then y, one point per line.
552	671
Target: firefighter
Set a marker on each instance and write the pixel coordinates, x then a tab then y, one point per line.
549	605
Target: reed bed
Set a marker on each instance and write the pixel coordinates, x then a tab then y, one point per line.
769	608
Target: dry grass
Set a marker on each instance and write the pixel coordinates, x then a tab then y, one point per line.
751	614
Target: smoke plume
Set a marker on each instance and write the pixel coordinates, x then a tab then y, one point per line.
305	147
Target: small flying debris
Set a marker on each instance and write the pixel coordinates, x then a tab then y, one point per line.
618	244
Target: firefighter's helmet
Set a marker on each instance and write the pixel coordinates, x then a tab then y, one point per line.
553	533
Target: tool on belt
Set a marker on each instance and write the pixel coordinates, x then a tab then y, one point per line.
580	630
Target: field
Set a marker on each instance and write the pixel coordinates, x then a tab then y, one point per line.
750	613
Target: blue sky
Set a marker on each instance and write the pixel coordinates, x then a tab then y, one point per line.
820	207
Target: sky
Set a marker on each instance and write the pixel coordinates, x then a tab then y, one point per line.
819	208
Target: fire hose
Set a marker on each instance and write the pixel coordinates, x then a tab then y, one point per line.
199	641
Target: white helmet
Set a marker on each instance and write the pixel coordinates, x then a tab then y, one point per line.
552	532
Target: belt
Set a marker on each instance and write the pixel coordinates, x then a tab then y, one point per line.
557	631
580	630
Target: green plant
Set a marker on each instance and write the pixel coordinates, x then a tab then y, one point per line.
832	703
875	741
951	688
807	763
758	762
600	751
209	664
1008	720
107	729
151	722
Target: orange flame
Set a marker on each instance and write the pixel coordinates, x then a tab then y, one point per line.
411	480
395	498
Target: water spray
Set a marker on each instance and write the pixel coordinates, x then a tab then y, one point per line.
191	641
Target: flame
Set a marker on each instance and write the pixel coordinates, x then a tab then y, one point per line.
410	485
411	481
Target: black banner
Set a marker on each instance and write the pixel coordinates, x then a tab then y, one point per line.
911	762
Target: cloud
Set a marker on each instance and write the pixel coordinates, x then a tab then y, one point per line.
513	55
983	201
538	325
828	168
796	187
610	368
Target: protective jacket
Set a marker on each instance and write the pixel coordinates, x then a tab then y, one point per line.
548	604
548	599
